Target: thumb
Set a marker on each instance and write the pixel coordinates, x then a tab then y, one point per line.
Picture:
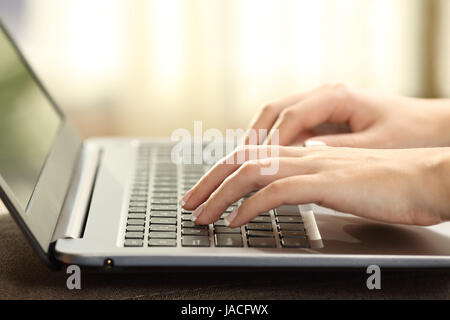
352	140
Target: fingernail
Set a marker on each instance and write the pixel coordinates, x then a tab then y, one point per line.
185	198
229	218
197	212
314	143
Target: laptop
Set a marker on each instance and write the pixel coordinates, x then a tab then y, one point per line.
113	202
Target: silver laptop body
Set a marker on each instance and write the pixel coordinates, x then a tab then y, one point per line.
112	202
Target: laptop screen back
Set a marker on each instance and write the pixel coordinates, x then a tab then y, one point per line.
28	124
39	150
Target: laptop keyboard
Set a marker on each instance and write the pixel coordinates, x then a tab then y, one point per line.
156	220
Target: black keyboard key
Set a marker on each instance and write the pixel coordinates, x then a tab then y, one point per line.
290	219
260	226
172	221
261	242
165	188
227	230
138	204
262	219
163	214
135	222
165	179
228	240
189	184
186	217
135	228
291	226
164	195
288	214
191	179
293	234
195	241
287	211
191	224
258	233
133	243
137	209
136	216
220	223
295	243
165	185
163	228
139	190
165	175
134	235
173	201
195	232
139	194
140	186
164	207
162	235
134	199
162	243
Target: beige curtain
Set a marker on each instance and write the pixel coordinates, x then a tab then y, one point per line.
149	67
441	57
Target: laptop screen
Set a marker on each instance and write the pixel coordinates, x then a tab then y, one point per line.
28	124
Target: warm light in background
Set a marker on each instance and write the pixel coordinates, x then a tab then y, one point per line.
166	18
149	67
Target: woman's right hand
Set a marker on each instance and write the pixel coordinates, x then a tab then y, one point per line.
375	120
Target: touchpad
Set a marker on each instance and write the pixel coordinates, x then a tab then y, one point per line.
348	234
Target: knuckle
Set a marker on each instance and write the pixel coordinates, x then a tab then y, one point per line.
341	91
250	167
288	113
267	108
341	86
276	192
326	86
277	187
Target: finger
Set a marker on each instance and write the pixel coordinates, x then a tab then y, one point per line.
295	190
364	139
330	106
268	114
219	172
249	177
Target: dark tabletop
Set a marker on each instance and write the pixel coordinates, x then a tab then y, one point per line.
24	276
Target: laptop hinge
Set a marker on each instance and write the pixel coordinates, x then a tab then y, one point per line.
74	212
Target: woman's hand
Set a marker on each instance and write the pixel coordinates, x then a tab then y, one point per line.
375	121
409	186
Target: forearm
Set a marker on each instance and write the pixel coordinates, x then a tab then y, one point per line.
439	120
439	171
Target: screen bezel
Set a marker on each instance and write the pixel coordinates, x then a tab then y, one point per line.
38	220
